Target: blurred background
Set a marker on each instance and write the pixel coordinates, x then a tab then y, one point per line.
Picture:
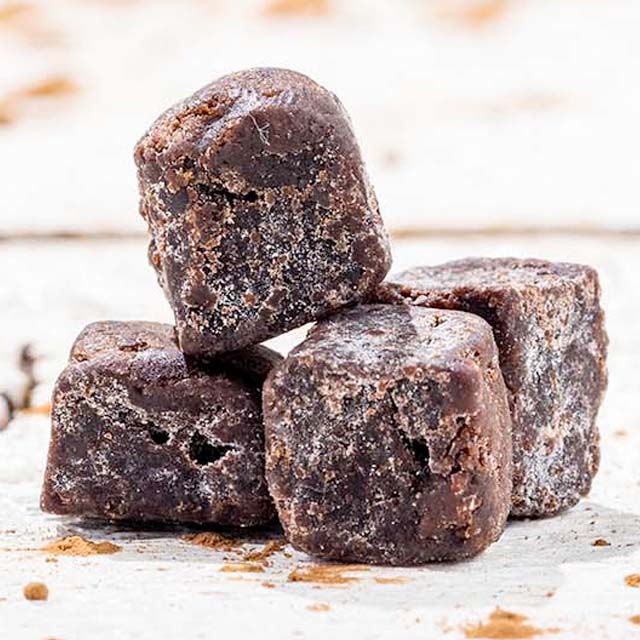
472	114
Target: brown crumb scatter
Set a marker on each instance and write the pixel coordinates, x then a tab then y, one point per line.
269	549
50	87
214	541
474	13
298	8
14	103
504	624
40	410
268	585
632	580
78	546
242	567
620	433
24	20
396	580
51	560
319	606
600	542
6	113
36	591
13	11
550	594
329	574
635	619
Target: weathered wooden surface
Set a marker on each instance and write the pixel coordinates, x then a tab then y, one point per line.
470	112
161	586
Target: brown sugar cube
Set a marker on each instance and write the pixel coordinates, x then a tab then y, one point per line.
549	328
260	211
388	437
142	433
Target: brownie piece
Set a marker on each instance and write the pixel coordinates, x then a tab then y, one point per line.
260	211
142	433
388	437
549	328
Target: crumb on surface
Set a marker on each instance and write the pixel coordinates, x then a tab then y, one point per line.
635	619
13	10
298	8
262	555
213	540
318	606
36	591
632	580
78	546
504	624
600	542
329	574
473	13
53	86
15	102
391	580
242	567
268	585
26	21
40	410
7	114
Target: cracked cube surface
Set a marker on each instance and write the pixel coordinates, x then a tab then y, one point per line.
549	328
141	433
388	437
260	211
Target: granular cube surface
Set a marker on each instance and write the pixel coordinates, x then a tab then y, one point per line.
388	437
549	328
260	211
141	433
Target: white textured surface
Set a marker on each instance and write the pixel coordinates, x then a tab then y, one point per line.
159	586
525	118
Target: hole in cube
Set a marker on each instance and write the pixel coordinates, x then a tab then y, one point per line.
418	449
157	435
202	452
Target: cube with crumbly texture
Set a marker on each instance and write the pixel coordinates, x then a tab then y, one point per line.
141	433
388	437
261	214
549	328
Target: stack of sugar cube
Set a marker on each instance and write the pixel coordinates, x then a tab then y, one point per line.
417	415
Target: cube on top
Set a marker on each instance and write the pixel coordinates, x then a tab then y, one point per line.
549	328
261	214
388	437
141	433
